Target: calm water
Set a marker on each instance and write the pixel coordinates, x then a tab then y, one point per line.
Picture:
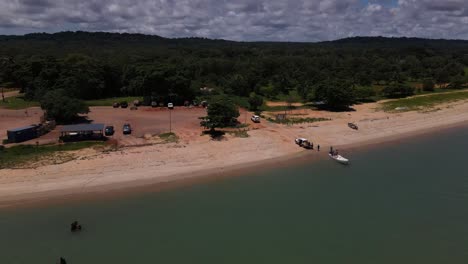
406	203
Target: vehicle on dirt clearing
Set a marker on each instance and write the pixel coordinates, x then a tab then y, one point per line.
109	131
170	105
116	105
302	142
299	141
154	104
124	104
255	119
127	129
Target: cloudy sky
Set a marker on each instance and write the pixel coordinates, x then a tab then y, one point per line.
279	20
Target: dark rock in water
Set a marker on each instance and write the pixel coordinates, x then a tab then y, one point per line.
75	226
62	261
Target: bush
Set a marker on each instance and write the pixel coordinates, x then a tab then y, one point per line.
457	82
364	93
398	90
428	86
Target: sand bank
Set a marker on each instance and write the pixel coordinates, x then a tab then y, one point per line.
271	145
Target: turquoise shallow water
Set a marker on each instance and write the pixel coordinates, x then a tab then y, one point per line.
405	203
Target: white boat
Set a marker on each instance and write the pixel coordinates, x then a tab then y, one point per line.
339	158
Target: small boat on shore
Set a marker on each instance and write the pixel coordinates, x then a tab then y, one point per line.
339	158
353	126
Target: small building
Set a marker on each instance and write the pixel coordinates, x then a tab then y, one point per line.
21	134
82	132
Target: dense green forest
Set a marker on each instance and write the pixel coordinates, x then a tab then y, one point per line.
99	65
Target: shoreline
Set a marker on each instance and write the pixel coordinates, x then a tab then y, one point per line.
144	186
115	190
196	158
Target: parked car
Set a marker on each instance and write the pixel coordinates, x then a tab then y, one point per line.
109	131
302	142
154	104
255	119
299	141
170	105
127	129
124	104
116	105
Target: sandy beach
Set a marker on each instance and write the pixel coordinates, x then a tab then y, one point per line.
195	156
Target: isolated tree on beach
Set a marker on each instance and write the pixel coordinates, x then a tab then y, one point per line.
221	112
62	108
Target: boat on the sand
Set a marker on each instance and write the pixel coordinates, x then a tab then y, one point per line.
353	126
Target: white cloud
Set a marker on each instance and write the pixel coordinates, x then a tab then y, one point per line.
282	20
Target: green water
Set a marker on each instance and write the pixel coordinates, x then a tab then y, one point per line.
405	203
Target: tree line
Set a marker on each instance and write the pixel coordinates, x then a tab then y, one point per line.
86	66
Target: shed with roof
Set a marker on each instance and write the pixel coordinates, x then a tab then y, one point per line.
21	134
82	132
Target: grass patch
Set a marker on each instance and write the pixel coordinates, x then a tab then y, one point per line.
17	102
282	108
427	101
17	156
294	120
239	133
169	137
111	101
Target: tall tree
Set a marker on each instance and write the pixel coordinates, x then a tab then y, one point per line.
221	112
337	94
255	101
57	105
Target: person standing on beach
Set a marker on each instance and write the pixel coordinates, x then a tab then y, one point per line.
318	147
